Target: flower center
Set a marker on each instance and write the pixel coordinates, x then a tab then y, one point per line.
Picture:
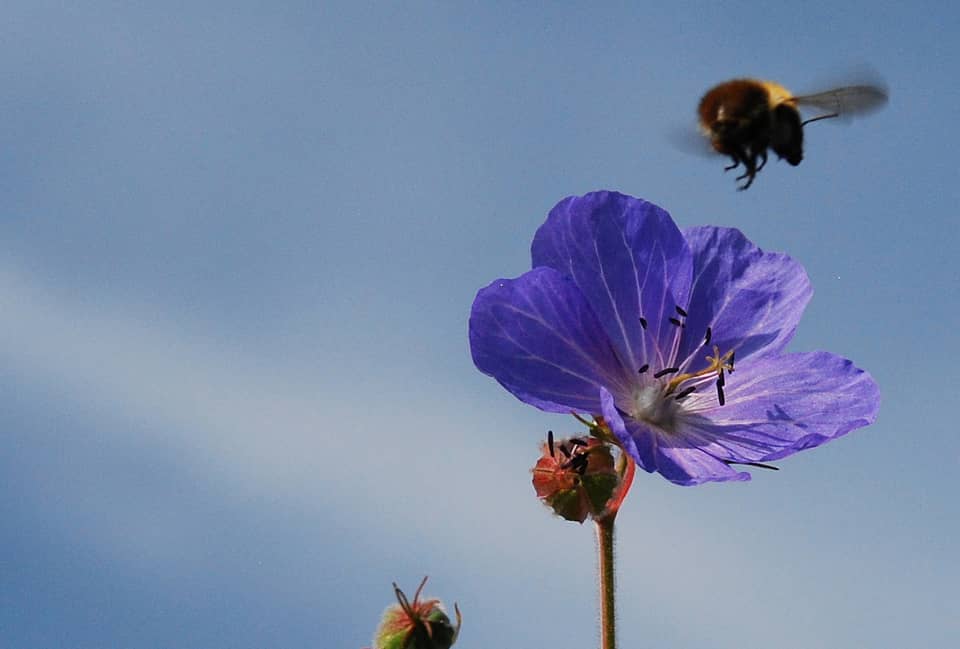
652	408
661	400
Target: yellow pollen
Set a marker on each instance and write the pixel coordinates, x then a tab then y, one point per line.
718	363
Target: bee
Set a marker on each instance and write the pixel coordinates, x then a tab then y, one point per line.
745	117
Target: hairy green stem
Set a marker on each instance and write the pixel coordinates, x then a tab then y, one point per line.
608	637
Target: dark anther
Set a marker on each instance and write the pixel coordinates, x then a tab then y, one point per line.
681	312
578	441
721	381
665	371
706	339
756	464
720	396
731	360
578	463
686	393
675	322
563	449
643	369
550	443
643	322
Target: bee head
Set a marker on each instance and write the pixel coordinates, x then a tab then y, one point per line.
786	134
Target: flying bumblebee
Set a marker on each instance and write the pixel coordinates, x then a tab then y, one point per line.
745	117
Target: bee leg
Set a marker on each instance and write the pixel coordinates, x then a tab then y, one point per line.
751	172
751	169
737	154
763	159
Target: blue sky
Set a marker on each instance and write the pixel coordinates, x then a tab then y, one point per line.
238	247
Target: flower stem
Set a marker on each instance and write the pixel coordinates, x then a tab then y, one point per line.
608	609
608	639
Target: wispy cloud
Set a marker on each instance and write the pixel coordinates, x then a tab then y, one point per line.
259	426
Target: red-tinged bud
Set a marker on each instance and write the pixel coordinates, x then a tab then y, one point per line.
575	477
417	624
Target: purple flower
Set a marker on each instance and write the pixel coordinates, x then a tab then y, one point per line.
675	338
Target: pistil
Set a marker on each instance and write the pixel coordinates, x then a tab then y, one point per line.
718	363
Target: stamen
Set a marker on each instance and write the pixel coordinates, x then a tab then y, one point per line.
665	371
756	464
644	368
681	312
643	322
550	443
579	464
721	381
686	393
732	352
676	323
563	449
720	396
717	364
706	339
578	441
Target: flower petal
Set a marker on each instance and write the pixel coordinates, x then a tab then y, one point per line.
630	262
776	406
752	300
539	338
689	466
639	443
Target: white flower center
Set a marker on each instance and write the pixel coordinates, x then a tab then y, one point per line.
659	399
654	407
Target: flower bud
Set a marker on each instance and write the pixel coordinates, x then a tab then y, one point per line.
417	624
575	477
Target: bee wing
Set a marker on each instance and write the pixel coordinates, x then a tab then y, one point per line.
846	101
690	139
